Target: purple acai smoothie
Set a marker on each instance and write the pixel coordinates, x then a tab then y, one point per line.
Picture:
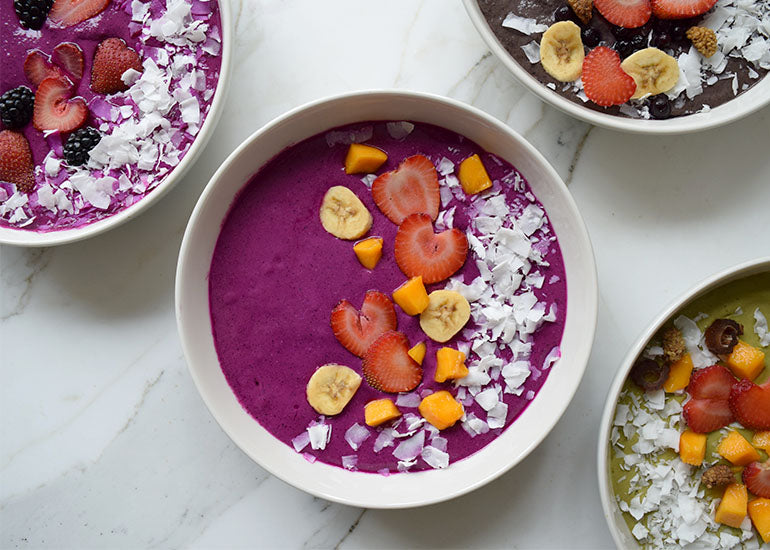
276	275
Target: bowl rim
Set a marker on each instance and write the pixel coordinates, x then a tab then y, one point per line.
22	237
724	276
718	116
186	337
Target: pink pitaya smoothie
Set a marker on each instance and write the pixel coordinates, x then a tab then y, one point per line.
276	275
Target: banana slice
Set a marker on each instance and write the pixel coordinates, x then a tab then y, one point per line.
653	70
561	51
344	215
331	388
446	314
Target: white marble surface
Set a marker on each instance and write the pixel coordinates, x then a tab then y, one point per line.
104	441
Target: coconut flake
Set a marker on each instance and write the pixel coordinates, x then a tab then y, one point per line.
349	462
435	458
355	435
399	130
761	329
410	449
523	24
301	441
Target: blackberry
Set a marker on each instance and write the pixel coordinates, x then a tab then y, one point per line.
660	106
32	13
79	144
591	37
16	107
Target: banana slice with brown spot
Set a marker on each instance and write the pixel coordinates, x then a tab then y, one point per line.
344	215
561	51
446	314
331	388
653	70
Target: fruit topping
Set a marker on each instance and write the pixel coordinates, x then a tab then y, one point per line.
363	159
564	13
356	331
56	109
369	251
410	189
420	251
32	13
648	374
692	447
628	14
591	37
38	67
450	365
733	507
653	70
761	440
746	361
69	57
417	352
387	365
343	214
707	415
605	82
446	314
380	411
679	374
112	58
759	512
736	448
680	9
441	409
66	13
583	9
412	296
751	404
561	51
79	144
712	382
674	347
756	476
16	164
722	336
473	176
16	107
718	476
660	106
331	388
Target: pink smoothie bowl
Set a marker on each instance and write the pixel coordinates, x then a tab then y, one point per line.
333	483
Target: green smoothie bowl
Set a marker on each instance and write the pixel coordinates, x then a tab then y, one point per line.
685	434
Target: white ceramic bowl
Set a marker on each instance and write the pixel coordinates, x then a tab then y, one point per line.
337	484
744	104
618	528
21	237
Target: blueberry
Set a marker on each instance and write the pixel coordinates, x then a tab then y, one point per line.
638	42
591	37
564	13
622	33
662	40
624	49
660	106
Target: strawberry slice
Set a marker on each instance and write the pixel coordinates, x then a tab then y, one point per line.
629	14
751	404
38	67
604	81
54	110
66	13
756	477
706	415
713	382
112	58
16	164
420	251
681	9
356	331
411	188
69	56
387	365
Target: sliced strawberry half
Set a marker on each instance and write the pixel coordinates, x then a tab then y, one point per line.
56	109
411	188
706	415
38	67
16	164
387	365
112	58
756	477
681	9
605	83
357	330
713	382
66	13
69	57
750	404
629	14
420	251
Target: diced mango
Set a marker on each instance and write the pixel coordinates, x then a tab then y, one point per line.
473	176
380	411
412	296
363	159
417	352
761	440
369	251
441	409
692	447
450	365
735	448
759	512
679	374
746	361
733	507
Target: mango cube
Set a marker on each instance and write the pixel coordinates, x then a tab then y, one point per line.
412	296
679	374
733	507
417	352
473	176
692	447
746	361
761	440
369	251
759	512
441	409
363	159
380	411
450	365
735	448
